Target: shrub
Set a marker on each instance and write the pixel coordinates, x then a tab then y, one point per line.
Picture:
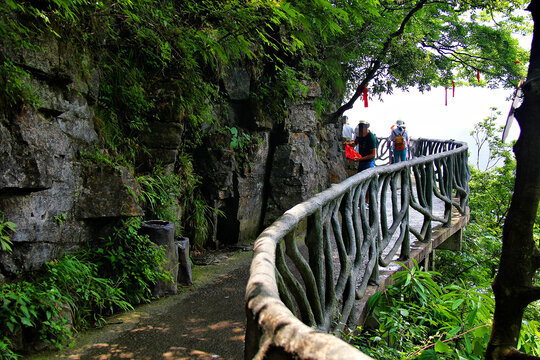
418	317
7	228
90	297
68	296
131	261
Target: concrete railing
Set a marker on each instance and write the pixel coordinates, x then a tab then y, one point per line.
312	266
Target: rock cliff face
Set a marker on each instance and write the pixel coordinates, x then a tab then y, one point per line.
52	196
305	160
58	200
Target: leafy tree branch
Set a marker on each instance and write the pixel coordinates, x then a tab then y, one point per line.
376	64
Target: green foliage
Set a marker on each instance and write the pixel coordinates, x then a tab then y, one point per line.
493	192
476	265
490	195
7	228
33	309
89	296
68	296
239	140
6	349
168	56
97	156
530	334
164	61
487	133
174	197
440	43
418	319
130	261
78	290
198	215
243	145
283	86
60	218
21	23
152	72
159	195
15	89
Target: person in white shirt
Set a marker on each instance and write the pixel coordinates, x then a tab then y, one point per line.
348	132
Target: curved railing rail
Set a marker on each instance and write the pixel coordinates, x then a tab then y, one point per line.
314	262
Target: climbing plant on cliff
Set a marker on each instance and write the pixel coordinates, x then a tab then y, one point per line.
7	228
147	67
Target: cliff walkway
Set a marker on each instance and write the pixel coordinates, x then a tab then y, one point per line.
331	254
315	267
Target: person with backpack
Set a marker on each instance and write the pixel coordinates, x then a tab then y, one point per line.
367	146
400	141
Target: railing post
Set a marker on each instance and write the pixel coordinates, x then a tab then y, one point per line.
253	335
405	252
449	173
314	242
429	196
373	219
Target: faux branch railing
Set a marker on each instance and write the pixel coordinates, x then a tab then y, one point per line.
313	263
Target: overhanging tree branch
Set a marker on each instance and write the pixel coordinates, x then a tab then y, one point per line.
530	294
376	64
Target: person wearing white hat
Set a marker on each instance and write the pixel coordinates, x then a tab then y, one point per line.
367	146
400	141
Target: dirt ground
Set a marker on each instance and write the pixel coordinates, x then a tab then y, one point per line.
204	321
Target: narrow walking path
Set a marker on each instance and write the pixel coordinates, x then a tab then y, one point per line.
207	322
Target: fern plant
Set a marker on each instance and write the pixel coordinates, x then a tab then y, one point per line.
7	228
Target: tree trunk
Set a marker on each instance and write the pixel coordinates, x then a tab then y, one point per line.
514	284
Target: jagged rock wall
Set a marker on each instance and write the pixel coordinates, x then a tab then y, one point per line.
306	159
295	159
234	180
58	200
54	198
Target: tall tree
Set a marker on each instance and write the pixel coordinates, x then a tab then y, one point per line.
514	286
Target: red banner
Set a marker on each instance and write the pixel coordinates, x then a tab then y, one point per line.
364	95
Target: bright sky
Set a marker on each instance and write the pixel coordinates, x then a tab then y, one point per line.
426	115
